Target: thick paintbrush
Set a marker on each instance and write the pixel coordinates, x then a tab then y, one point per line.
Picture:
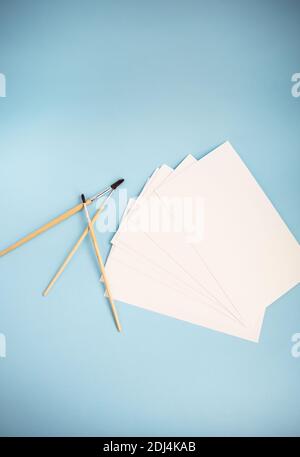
60	218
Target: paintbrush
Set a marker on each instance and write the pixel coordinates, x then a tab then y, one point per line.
81	238
101	264
59	219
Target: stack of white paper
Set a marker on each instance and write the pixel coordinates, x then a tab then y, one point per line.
202	243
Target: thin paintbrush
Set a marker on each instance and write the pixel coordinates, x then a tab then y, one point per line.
79	241
70	255
101	264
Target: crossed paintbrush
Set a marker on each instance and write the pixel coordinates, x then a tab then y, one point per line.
109	190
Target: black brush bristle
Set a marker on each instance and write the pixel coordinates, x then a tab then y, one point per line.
117	184
83	198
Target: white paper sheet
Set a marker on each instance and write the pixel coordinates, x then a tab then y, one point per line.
141	243
247	259
131	286
247	245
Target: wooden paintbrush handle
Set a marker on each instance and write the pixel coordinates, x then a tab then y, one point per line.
102	269
45	227
71	253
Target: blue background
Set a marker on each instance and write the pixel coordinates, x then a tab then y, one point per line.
102	89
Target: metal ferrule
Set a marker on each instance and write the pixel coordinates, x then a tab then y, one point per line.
100	194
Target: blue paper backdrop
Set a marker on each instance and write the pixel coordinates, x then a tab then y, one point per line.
102	89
